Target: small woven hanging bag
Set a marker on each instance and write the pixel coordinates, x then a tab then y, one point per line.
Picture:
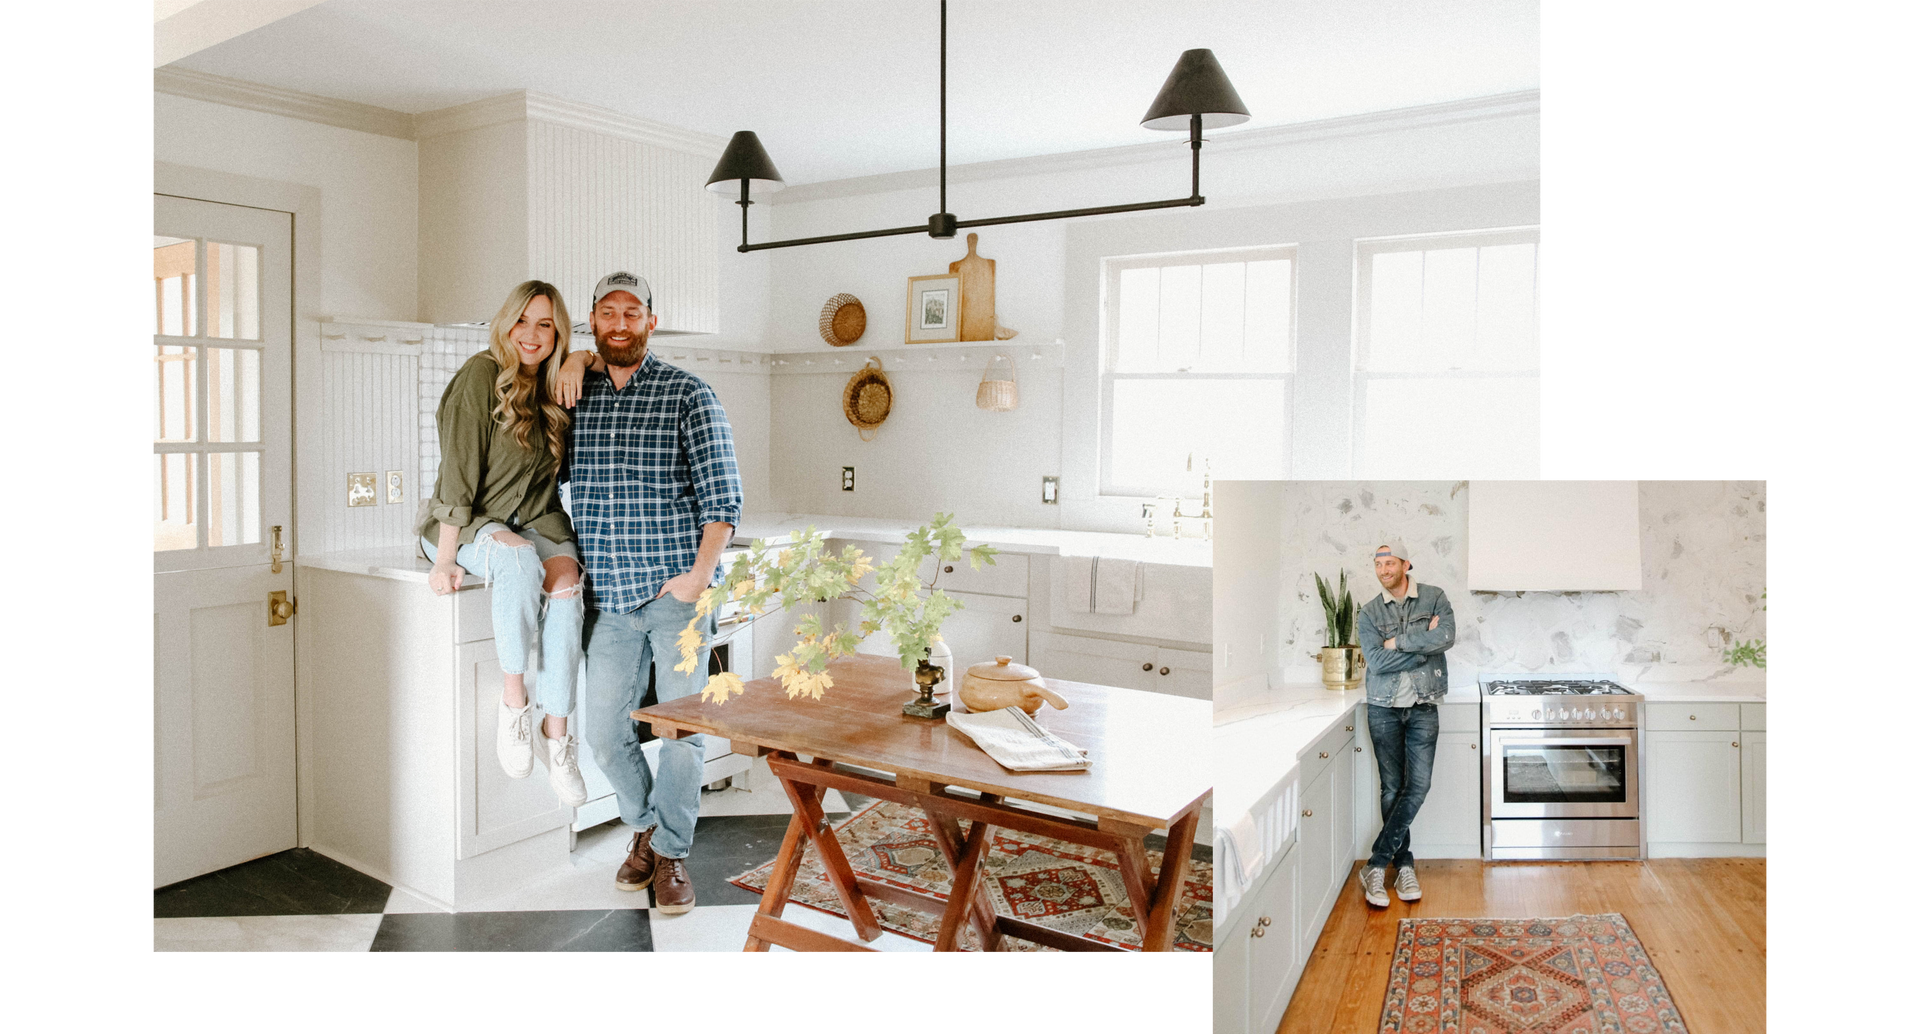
997	395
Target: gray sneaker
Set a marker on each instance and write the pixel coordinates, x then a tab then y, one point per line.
1373	881
1406	884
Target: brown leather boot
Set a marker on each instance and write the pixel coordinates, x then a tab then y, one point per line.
637	871
672	887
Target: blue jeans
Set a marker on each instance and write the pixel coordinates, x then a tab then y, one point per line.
523	612
1403	747
620	650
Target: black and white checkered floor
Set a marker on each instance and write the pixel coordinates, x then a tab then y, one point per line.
300	900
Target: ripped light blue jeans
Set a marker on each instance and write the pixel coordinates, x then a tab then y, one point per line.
523	612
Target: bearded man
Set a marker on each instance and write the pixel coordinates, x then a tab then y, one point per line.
655	493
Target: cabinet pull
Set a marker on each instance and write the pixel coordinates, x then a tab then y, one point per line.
1257	931
949	568
1323	753
1349	728
1016	619
1307	814
1473	746
1147	667
1356	750
1266	920
1736	743
1163	671
1690	718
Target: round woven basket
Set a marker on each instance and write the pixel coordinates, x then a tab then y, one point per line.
868	398
998	395
842	320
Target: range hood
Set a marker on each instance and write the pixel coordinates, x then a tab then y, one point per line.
1553	536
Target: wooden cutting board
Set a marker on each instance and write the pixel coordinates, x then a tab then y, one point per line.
976	293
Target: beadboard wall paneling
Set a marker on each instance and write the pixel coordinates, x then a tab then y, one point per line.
369	423
597	203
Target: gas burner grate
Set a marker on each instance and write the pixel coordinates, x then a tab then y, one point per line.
1551	687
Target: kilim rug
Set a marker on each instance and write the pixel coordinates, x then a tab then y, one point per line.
1063	886
1578	975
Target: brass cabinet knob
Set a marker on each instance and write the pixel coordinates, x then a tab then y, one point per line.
1473	746
1257	931
1690	718
1736	743
1266	920
1147	667
1357	750
1323	753
949	568
1016	619
1307	814
1349	728
1163	671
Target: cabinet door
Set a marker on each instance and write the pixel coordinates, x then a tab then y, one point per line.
1316	852
1693	787
1103	662
1448	825
495	810
1187	673
1366	787
1342	773
1230	978
1753	787
1274	956
984	628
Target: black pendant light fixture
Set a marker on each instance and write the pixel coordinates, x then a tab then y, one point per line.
1196	96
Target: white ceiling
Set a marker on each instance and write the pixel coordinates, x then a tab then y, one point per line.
841	88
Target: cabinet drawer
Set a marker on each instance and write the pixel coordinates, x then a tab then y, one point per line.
1330	747
1006	576
473	614
1459	717
1753	716
1682	717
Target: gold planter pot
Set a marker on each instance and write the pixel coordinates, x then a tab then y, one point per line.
1342	667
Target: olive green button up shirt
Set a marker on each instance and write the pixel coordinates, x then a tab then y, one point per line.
485	474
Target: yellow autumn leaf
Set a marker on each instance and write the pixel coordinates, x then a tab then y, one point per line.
707	601
721	686
785	668
690	640
807	683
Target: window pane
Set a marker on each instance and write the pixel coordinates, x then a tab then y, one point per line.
173	502
174	392
233	395
1449	429
1179	318
233	503
1448	304
233	291
1241	425
1393	339
173	284
1138	334
1509	329
1269	317
1223	316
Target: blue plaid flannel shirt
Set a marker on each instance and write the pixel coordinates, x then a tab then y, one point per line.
650	464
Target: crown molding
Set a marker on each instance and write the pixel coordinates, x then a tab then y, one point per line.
522	105
309	107
1520	104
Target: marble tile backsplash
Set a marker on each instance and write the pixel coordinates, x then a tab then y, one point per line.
1703	555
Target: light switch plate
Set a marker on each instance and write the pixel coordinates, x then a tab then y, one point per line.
395	494
846	479
361	489
1050	490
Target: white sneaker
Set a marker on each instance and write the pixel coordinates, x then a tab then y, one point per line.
1406	884
513	740
1374	882
563	770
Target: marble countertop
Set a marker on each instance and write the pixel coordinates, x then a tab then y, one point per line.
1746	691
1043	541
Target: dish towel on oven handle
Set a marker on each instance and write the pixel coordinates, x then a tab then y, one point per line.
1011	737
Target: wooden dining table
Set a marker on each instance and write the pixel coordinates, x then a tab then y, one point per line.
1149	772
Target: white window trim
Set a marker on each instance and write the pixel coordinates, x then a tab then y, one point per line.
1110	269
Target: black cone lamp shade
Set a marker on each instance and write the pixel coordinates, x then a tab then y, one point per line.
1196	86
744	159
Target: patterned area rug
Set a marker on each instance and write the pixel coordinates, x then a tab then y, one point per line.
1578	975
1063	886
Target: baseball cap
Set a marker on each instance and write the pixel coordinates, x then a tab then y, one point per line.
624	281
1393	548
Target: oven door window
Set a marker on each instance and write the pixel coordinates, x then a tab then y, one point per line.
1539	773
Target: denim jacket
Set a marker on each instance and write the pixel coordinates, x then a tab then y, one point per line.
1418	655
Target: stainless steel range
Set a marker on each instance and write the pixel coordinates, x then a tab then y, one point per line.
1561	769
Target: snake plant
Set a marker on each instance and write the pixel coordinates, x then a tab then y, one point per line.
1339	611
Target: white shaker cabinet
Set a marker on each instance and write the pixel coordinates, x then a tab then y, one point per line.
1142	666
1274	954
1448	825
1692	789
1753	787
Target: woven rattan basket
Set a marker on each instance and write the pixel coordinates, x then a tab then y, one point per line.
842	320
996	395
868	398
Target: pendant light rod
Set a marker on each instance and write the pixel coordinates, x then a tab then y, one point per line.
1196	86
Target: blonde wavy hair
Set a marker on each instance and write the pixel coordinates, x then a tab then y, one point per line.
530	402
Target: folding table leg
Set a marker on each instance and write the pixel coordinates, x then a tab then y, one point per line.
1158	935
966	886
806	804
786	866
946	832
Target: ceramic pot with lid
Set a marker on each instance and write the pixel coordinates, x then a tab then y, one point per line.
990	687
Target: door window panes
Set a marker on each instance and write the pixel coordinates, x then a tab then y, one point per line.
233	395
233	291
174	393
175	296
174	505
233	501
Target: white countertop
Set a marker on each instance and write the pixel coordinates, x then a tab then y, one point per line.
1745	691
1046	541
397	562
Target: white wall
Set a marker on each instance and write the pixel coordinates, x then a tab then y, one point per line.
1246	609
368	186
1317	190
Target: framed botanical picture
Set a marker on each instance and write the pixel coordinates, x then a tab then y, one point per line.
933	308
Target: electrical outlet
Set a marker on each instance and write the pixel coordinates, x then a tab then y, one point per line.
846	479
1050	490
361	491
395	494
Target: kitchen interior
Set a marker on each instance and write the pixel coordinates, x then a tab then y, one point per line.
1601	751
424	183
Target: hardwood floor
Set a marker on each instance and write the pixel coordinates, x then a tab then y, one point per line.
1703	922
